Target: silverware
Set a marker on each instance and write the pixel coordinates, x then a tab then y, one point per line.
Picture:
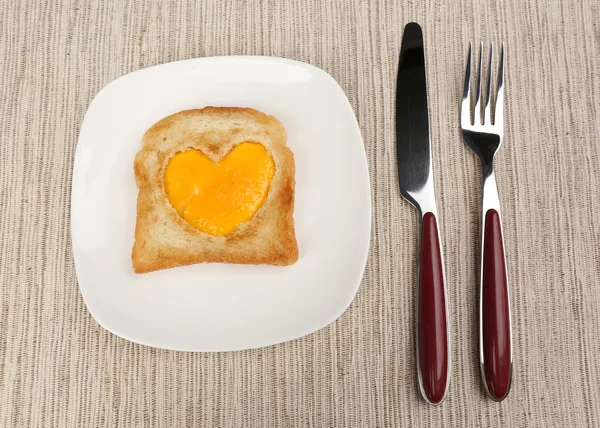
484	137
416	185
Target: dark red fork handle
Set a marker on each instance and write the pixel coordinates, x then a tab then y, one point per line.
432	323
496	349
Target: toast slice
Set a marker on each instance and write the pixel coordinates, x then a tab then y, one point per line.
163	239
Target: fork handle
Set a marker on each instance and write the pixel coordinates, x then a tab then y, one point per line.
495	325
432	322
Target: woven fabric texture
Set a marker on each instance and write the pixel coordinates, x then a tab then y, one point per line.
59	368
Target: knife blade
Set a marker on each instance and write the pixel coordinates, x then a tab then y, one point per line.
415	173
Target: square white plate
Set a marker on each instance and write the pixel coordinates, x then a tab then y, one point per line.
219	307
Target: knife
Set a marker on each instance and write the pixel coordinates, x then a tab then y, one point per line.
416	185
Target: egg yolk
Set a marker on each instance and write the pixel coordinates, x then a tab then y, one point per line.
216	198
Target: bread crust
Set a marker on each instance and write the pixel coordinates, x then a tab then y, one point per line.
163	239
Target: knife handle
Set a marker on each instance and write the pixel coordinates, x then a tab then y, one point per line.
495	327
433	352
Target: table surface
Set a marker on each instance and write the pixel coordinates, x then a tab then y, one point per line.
59	368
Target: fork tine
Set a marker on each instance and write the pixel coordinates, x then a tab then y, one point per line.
465	113
477	114
499	115
488	107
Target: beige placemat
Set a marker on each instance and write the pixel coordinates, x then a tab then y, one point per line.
58	368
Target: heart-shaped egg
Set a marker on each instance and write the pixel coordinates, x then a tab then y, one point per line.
216	198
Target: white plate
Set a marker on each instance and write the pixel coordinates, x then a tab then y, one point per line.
219	307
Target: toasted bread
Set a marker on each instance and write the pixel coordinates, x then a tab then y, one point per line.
163	239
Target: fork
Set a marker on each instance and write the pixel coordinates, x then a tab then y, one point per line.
484	136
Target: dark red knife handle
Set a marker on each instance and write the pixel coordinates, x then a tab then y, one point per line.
432	328
495	311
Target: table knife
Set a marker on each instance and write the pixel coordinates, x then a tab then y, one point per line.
415	172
